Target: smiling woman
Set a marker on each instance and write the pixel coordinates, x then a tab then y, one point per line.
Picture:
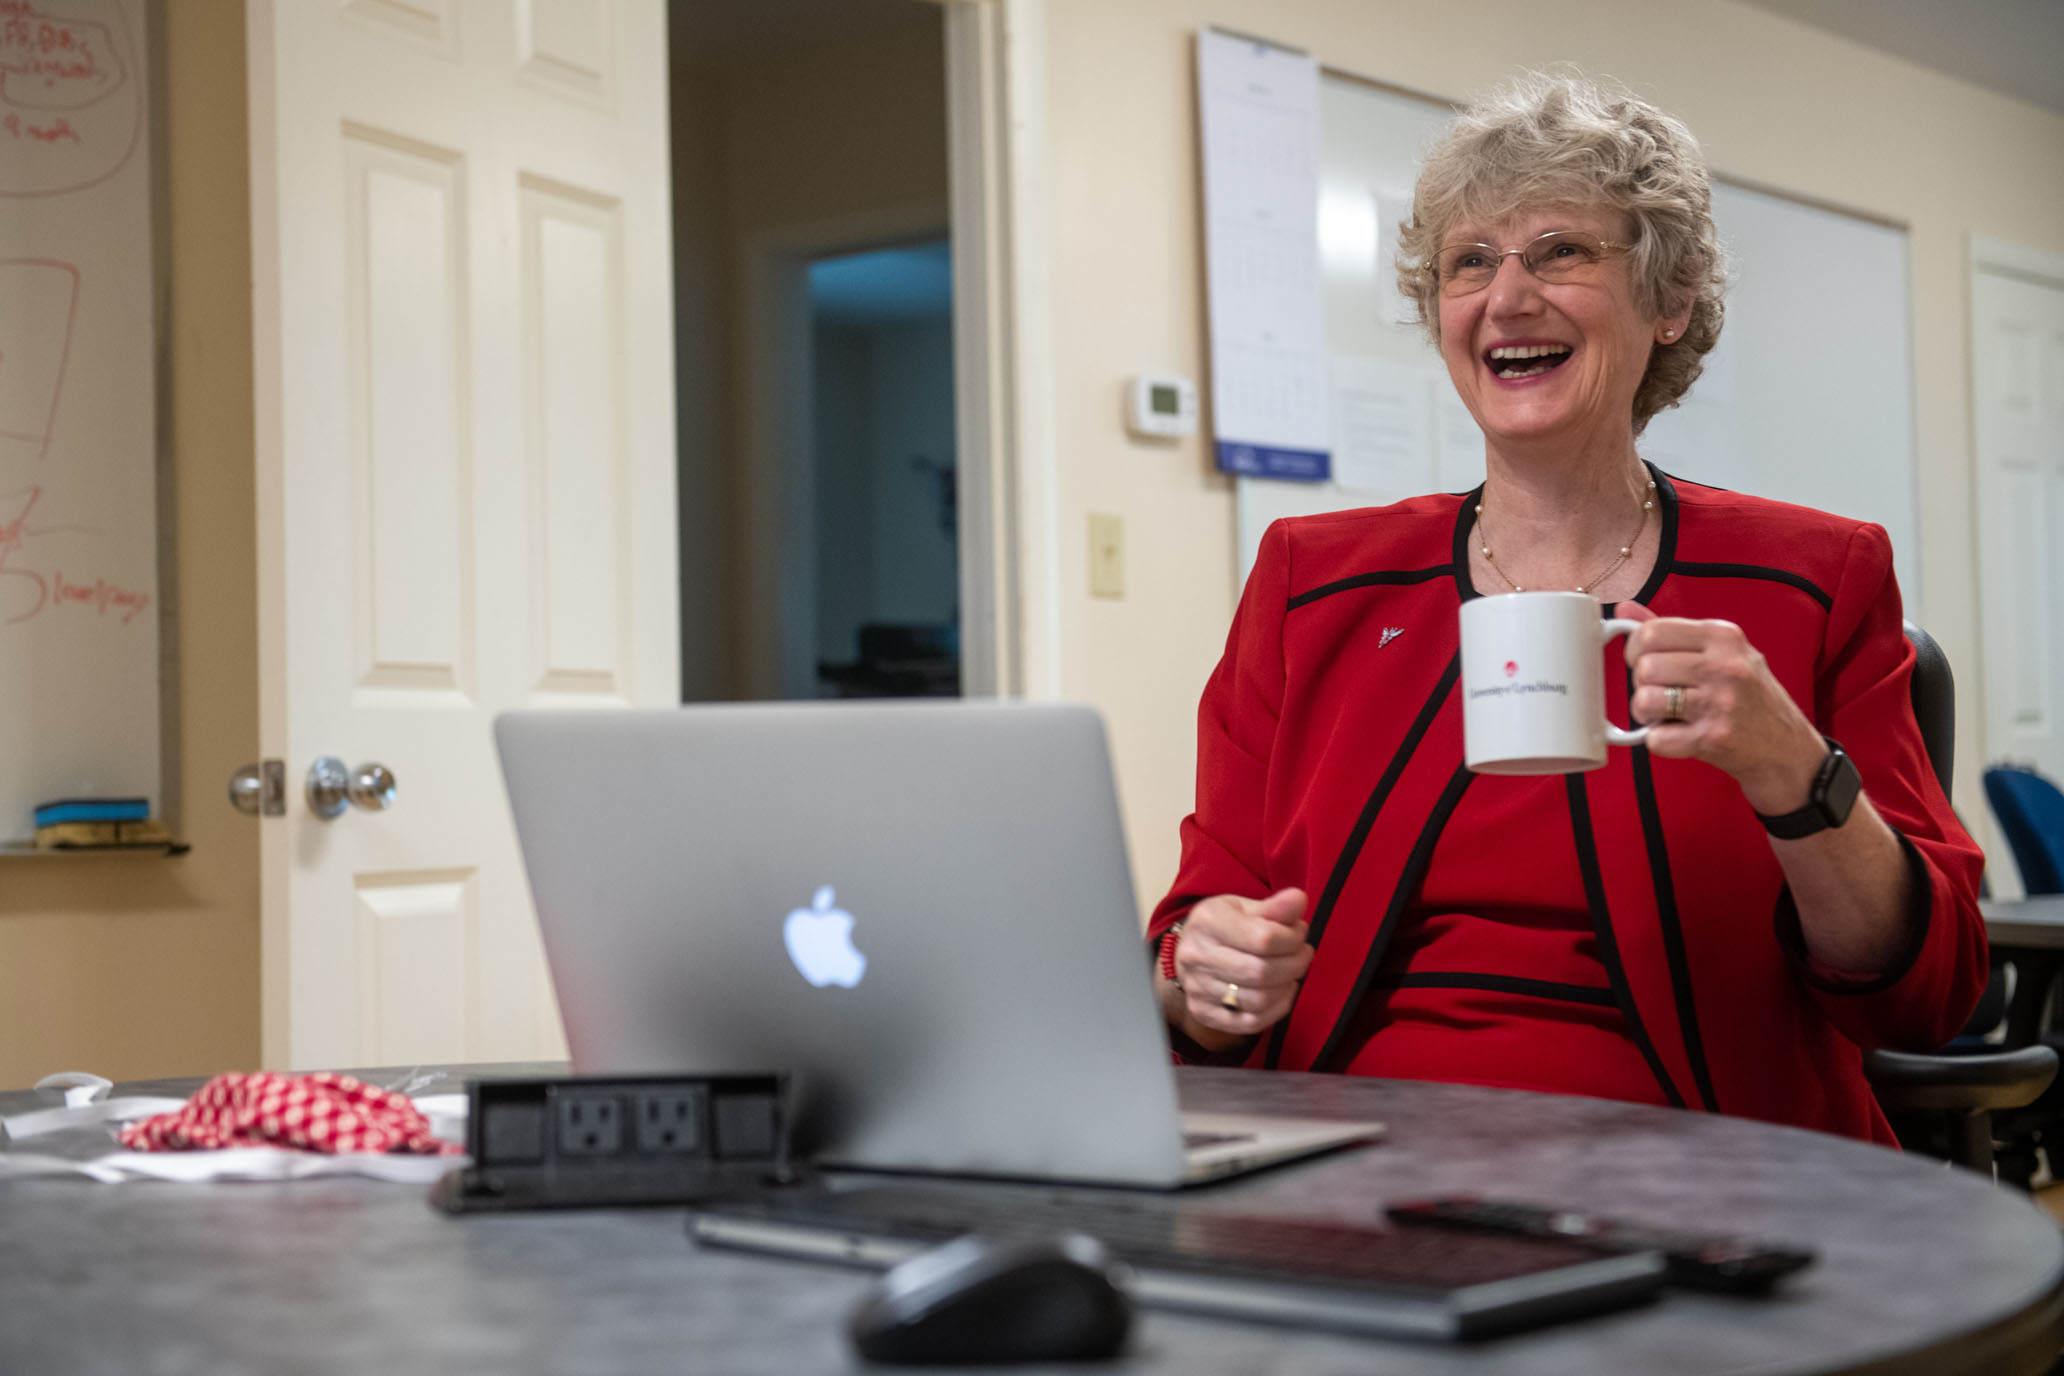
1718	918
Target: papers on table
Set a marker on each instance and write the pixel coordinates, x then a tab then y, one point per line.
85	1108
232	1164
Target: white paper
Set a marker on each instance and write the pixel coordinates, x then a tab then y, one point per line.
233	1164
1382	428
39	1122
1260	125
1392	208
447	1115
1461	442
79	1086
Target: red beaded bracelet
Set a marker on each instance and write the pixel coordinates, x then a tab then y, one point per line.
1169	939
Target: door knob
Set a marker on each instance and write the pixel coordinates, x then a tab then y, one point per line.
259	789
332	787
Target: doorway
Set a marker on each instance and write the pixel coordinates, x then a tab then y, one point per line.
812	208
884	480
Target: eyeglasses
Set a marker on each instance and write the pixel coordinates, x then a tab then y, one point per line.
1561	256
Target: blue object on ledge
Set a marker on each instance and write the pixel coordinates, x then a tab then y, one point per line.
93	810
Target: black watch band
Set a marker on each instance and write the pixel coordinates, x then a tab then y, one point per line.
1834	793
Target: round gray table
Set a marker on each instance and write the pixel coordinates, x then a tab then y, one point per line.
1923	1268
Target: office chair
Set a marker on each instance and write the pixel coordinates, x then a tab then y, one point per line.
1966	1090
2031	814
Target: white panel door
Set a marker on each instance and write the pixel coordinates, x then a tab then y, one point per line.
465	478
2018	330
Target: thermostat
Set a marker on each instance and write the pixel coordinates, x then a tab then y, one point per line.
1161	405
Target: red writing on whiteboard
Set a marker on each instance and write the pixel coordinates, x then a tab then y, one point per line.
24	592
100	595
42	133
24	587
38	45
65	80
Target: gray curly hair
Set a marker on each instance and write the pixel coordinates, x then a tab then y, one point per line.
1563	138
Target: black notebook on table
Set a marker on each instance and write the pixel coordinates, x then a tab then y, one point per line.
1359	1277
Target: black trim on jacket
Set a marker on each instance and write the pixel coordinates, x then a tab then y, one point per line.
1407	885
1602	932
1458	544
1382	578
1763	572
1351	849
1666	547
1505	984
1672	924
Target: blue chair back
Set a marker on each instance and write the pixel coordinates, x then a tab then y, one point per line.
2031	813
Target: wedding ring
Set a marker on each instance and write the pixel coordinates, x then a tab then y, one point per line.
1673	703
1230	999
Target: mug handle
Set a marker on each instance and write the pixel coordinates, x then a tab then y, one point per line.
1620	735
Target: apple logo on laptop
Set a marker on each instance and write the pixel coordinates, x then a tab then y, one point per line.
820	942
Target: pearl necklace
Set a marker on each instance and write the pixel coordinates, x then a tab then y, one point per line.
1647	505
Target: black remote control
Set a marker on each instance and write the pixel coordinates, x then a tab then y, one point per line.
1732	1264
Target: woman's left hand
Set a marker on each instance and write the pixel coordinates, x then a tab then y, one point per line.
1735	715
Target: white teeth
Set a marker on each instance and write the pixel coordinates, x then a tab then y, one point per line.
1528	350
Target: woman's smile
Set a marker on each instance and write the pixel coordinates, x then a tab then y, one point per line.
1522	360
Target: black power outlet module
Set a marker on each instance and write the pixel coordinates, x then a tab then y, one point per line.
595	1140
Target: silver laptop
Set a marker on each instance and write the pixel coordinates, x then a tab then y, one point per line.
922	911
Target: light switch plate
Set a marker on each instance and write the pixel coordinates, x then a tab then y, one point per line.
1106	555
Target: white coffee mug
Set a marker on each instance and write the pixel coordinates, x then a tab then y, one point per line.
1533	687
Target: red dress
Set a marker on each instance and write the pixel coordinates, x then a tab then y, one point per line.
1330	758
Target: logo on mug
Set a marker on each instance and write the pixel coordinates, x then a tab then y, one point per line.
1511	668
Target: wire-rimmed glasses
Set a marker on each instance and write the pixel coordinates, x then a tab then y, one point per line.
1560	255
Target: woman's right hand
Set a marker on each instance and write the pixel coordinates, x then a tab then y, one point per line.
1256	946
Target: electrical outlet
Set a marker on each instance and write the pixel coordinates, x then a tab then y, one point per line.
1106	555
632	1139
590	1125
669	1121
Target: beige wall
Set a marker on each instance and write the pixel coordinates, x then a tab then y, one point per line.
1773	102
136	966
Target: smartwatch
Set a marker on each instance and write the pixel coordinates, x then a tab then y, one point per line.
1834	792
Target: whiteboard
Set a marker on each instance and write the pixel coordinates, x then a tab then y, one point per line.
79	597
1808	398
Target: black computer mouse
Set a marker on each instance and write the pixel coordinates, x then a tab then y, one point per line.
980	1299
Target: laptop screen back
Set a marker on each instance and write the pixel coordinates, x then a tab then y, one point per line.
923	911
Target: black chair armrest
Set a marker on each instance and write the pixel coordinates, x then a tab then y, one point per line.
1990	1081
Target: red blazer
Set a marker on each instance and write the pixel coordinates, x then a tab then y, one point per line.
1330	756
